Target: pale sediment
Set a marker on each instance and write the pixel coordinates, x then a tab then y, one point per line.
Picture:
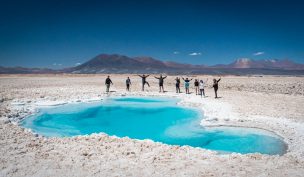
270	103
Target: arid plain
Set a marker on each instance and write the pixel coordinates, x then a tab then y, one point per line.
273	103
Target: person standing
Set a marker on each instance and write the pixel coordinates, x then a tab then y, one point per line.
196	85
108	82
161	82
128	83
187	84
144	81
202	87
215	86
177	85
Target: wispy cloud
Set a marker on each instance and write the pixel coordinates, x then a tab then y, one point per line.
176	52
76	64
57	64
259	53
195	54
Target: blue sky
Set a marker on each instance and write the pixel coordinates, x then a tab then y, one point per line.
60	34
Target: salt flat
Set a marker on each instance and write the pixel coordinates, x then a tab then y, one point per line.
269	102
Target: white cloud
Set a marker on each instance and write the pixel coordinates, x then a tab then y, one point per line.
57	64
76	64
176	52
259	53
195	53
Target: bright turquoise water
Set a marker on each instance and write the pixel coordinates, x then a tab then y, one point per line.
159	119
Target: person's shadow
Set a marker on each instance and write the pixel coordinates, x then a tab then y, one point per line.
112	91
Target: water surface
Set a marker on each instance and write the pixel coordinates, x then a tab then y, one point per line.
159	119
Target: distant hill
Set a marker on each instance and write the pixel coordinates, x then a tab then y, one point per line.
22	70
264	64
120	64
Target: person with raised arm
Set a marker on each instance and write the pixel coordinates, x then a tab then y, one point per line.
202	87
187	84
144	81
215	86
161	82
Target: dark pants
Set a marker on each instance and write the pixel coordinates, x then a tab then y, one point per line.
202	92
215	91
177	88
128	87
108	87
161	86
143	85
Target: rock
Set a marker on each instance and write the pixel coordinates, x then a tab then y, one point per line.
7	121
85	154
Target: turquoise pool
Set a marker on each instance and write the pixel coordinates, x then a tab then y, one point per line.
159	119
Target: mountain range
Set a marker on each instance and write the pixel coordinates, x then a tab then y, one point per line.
119	64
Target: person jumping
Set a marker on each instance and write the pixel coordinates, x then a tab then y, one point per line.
143	78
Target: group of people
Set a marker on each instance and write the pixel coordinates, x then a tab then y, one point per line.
198	84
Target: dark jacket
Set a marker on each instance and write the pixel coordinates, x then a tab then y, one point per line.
161	80
108	81
215	84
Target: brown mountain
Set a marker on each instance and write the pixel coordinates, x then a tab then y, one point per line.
105	63
151	62
114	63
